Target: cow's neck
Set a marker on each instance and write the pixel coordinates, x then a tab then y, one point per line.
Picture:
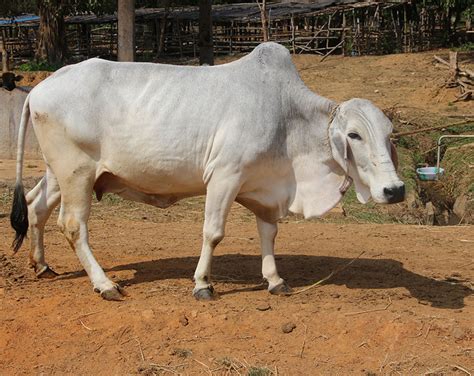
320	181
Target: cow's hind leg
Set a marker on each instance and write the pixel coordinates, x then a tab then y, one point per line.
41	200
268	232
221	192
76	197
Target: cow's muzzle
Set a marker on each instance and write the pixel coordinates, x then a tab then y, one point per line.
394	194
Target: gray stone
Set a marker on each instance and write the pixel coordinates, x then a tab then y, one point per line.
288	327
430	213
460	206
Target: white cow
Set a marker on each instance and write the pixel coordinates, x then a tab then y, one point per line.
249	131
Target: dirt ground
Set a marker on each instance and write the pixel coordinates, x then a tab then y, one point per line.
405	306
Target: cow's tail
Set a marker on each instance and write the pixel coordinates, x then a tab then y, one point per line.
19	213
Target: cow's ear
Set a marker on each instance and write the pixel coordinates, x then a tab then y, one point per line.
18	78
394	155
338	146
362	191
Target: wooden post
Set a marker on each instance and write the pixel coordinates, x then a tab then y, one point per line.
329	33
394	26
231	36
4	53
156	32
293	34
315	44
111	41
126	30
269	24
161	45
89	40
206	48
405	28
359	40
453	65
264	18
343	33
178	26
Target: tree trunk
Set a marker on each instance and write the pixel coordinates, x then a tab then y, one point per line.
51	34
126	30
206	51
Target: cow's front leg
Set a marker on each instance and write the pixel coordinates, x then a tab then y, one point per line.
268	232
221	192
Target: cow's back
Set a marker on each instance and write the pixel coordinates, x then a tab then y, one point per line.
154	120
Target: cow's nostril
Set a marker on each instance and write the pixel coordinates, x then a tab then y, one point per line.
388	191
394	194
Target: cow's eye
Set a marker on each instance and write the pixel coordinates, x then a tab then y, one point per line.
354	136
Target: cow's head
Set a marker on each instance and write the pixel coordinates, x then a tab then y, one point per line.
8	80
359	134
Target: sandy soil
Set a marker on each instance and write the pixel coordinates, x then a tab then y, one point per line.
410	82
404	307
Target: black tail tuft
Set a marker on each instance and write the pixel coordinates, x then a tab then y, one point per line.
19	216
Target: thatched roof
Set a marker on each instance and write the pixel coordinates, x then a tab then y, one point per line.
234	12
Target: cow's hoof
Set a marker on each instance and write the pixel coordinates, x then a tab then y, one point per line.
116	293
204	294
281	289
46	272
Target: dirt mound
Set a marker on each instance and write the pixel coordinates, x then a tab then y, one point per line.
452	196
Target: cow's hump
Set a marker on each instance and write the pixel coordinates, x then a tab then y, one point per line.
272	55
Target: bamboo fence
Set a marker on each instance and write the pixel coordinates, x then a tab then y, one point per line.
345	26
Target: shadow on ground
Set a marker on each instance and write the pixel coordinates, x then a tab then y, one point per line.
303	270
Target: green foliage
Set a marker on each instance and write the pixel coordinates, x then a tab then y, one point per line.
407	168
112	199
418	158
466	47
363	213
163	3
406	142
456	5
468	13
92	6
460	129
459	177
9	8
40	65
